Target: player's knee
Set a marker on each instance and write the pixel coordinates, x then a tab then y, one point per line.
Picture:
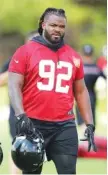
65	164
66	169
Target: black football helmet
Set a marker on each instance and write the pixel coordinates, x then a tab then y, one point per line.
28	151
1	155
88	49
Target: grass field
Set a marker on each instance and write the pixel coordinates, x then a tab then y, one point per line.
84	166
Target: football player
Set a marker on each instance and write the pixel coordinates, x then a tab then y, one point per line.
45	75
91	73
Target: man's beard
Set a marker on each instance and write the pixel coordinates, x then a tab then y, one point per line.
50	40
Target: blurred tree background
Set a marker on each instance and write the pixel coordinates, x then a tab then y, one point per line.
87	19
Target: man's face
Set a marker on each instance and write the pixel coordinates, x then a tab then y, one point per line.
54	28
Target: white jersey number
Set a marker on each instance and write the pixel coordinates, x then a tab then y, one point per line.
51	76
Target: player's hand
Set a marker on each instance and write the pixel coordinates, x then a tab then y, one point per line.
24	125
89	136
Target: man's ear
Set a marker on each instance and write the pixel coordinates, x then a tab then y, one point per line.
43	25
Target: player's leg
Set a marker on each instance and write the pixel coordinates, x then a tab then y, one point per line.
38	171
65	164
64	149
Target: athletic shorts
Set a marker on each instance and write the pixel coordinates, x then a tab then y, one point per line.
60	137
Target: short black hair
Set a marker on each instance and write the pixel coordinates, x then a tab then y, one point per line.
49	11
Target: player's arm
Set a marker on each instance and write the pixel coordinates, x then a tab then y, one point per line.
83	101
17	70
15	84
103	73
3	78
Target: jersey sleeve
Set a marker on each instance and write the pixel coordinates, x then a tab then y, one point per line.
80	71
18	61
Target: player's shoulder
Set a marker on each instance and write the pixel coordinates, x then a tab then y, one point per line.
32	45
28	47
73	52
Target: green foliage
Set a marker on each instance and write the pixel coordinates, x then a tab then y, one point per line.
88	23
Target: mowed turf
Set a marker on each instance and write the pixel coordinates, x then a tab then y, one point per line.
84	166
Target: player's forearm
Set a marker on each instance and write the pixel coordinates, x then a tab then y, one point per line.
15	96
84	106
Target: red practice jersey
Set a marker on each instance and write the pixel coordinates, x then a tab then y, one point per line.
48	80
102	62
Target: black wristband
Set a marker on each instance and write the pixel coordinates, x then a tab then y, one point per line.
20	116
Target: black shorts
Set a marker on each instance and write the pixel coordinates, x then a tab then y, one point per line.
60	137
12	121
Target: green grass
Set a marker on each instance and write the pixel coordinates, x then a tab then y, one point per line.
84	166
